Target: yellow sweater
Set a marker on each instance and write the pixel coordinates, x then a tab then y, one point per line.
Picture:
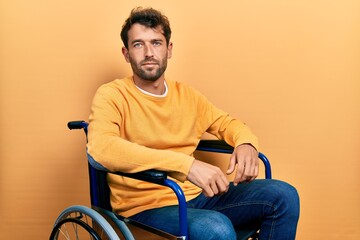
131	131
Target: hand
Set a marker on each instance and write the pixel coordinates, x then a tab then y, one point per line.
246	158
209	178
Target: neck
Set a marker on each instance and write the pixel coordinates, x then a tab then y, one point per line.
156	87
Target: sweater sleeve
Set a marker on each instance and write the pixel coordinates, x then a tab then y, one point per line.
115	153
224	127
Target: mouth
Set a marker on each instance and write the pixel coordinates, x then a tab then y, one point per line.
149	64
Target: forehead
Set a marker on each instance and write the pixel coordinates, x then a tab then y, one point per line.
141	32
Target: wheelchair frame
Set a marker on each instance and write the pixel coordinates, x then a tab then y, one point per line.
101	211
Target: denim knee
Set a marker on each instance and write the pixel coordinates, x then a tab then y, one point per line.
212	225
286	200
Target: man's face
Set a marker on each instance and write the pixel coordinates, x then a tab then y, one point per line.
147	52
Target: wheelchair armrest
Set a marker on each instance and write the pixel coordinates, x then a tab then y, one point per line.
214	146
160	177
153	176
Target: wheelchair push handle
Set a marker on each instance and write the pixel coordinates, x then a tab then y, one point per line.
77	125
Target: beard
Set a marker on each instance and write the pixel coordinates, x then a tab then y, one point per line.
149	74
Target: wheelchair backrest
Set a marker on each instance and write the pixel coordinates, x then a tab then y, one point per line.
99	189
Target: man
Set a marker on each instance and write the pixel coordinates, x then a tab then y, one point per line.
149	122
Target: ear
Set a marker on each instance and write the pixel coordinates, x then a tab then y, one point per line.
125	52
169	50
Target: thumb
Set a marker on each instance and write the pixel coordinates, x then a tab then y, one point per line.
232	164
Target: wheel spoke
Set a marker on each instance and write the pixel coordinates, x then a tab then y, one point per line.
79	223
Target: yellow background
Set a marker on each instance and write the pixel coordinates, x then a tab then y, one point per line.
290	69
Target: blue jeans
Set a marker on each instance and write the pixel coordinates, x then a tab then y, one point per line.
269	205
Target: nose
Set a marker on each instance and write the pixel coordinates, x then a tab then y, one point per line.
149	53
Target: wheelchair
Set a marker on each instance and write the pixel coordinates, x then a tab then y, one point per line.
99	222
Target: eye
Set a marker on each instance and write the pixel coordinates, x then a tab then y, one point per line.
157	43
137	45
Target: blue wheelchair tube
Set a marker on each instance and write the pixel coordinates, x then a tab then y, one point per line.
267	165
182	207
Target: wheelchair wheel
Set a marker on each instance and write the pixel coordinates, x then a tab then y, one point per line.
80	222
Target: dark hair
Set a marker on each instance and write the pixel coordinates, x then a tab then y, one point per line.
148	17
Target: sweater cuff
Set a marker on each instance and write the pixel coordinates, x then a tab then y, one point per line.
253	141
181	175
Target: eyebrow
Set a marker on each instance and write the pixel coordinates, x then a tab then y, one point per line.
152	40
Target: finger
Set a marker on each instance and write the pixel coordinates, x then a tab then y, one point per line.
223	184
208	192
232	164
239	172
249	169
256	170
219	184
214	189
252	172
